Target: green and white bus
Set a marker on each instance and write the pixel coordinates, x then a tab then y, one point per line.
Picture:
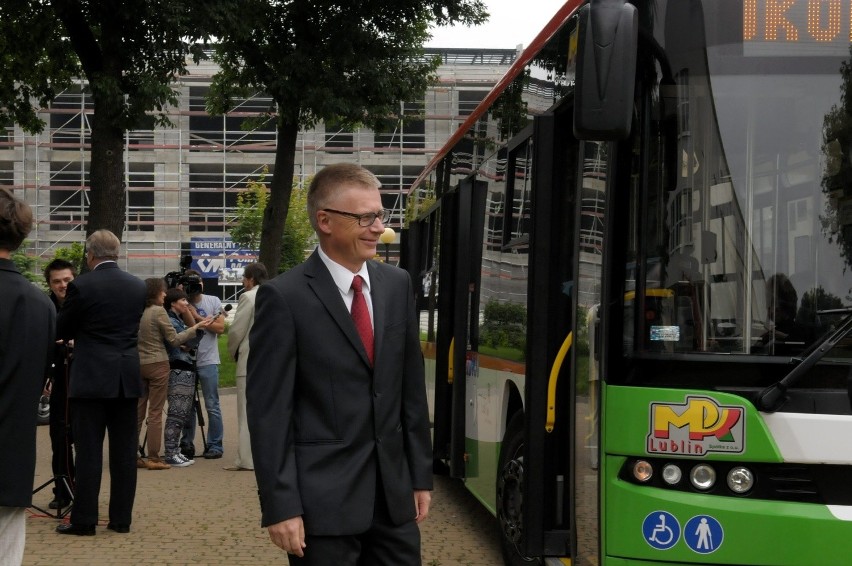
634	268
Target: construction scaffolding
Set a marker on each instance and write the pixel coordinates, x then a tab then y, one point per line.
182	181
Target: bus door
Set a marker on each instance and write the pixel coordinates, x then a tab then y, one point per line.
420	257
443	291
558	301
467	248
450	285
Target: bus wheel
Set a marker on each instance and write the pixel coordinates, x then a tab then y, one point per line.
510	495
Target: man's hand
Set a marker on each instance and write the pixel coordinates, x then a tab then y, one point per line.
217	323
289	535
422	499
204	323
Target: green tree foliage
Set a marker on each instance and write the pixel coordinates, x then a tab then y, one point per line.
298	231
36	61
31	269
251	203
130	53
510	109
837	173
504	325
246	229
581	336
73	253
814	301
419	202
27	265
342	62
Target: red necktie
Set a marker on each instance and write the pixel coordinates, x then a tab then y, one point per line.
361	317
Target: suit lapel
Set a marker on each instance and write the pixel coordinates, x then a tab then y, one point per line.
322	284
378	296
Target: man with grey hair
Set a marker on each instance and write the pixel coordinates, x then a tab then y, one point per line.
27	320
101	314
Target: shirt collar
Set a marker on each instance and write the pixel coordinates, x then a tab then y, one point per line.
342	276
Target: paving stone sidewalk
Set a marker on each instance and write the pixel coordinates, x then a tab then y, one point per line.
204	514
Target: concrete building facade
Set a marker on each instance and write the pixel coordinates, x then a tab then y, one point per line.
183	181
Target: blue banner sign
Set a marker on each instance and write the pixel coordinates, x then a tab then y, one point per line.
220	258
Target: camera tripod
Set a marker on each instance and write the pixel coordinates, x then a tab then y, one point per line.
60	480
199	416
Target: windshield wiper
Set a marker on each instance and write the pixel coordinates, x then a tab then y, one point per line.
773	397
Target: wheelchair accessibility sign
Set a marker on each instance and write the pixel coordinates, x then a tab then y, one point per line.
702	534
661	530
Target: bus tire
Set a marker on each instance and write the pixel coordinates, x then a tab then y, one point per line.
510	477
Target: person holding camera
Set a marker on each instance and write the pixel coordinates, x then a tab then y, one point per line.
181	391
27	324
155	332
58	274
207	362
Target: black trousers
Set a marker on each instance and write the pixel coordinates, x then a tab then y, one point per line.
384	544
61	439
90	420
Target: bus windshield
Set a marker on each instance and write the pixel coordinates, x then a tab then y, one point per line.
741	224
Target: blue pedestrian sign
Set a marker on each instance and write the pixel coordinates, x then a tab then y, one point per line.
661	530
703	534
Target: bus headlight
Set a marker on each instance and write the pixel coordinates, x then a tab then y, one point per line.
740	479
642	471
672	474
703	477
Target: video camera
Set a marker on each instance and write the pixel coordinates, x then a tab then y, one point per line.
191	283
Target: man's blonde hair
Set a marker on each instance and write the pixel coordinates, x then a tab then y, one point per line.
330	180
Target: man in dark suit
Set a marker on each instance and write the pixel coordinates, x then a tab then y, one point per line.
27	322
58	274
101	314
337	416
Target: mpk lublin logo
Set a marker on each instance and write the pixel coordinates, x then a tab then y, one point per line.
696	427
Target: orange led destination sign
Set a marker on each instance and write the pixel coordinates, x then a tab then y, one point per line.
796	27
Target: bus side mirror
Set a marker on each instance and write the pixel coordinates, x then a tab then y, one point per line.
606	69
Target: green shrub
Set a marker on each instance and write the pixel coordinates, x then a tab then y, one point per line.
504	325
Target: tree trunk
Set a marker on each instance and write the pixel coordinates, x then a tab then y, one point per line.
101	59
107	195
275	215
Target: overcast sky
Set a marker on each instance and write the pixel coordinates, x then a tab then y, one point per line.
512	22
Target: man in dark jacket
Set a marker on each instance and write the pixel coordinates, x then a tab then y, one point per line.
26	341
58	274
336	394
101	314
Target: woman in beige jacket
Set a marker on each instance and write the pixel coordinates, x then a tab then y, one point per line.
155	330
238	346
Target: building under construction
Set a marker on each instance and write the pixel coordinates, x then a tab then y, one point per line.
183	181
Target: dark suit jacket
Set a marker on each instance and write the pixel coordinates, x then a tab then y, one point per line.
27	323
320	417
101	313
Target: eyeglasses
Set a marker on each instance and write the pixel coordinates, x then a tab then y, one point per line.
366	219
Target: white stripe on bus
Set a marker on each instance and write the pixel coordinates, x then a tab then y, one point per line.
810	438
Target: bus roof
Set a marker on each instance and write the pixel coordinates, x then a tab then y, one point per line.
556	22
